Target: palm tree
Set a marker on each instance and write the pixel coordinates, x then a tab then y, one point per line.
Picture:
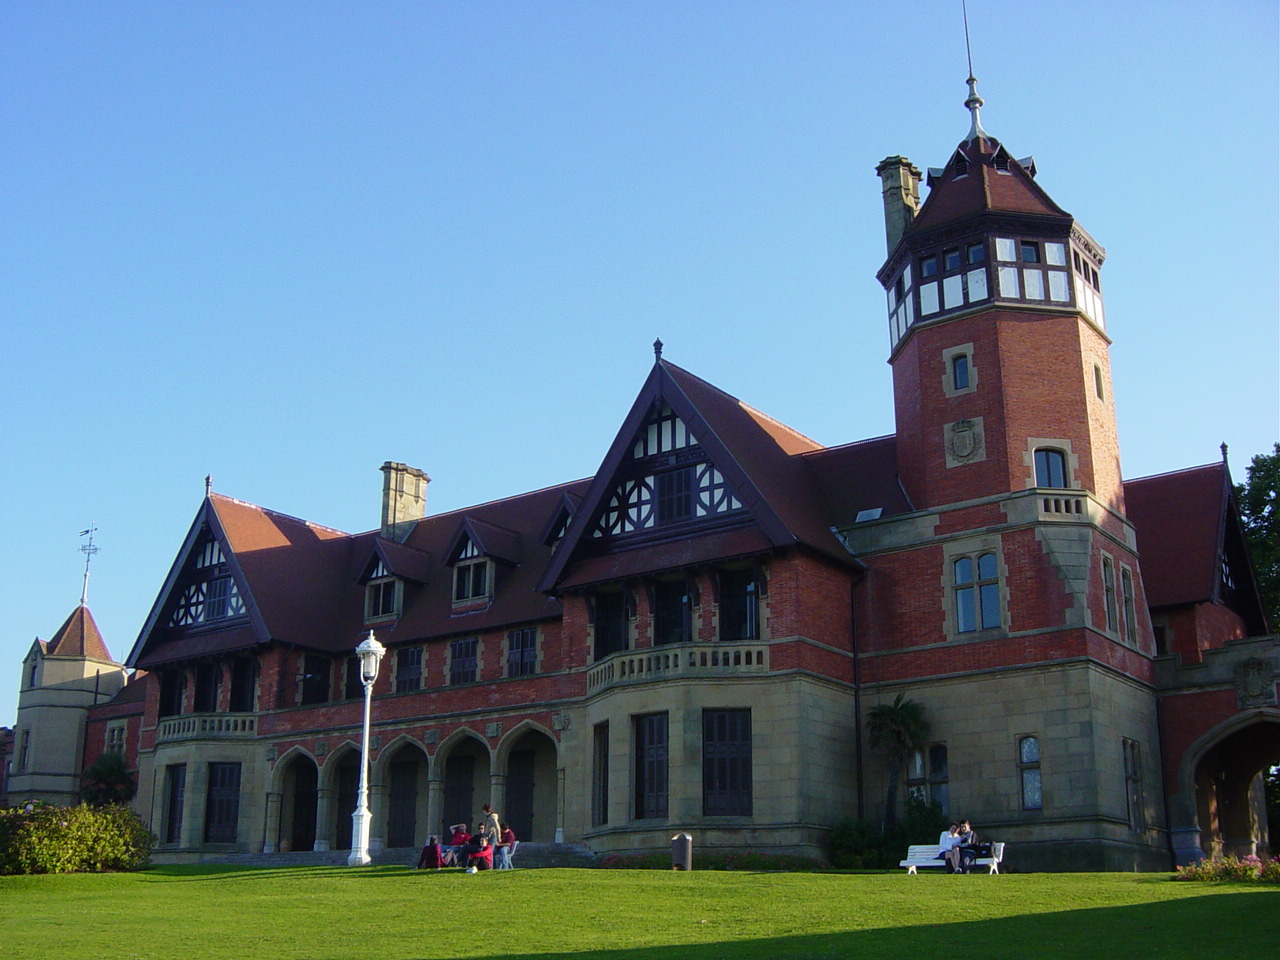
897	729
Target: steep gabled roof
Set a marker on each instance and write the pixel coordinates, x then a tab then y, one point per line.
993	183
759	457
1187	522
78	637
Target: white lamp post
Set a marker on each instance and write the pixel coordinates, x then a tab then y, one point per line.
370	653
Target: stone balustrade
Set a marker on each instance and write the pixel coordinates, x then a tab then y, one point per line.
678	660
207	726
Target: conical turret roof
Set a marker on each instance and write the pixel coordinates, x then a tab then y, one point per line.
78	637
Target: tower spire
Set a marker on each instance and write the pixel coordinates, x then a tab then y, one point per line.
974	102
89	550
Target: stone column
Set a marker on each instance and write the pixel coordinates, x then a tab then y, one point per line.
560	787
378	809
324	820
271	841
435	809
498	794
193	807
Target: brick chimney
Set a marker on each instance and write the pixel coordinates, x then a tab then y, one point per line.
404	499
900	180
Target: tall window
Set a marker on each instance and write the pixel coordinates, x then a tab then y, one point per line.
1133	785
739	605
222	806
24	750
471	574
353	681
960	372
1029	773
463	661
1130	613
522	652
726	763
1109	592
31	675
175	782
675	495
672	612
939	777
173	683
977	592
611	623
208	681
651	766
315	680
1051	468
210	593
600	774
115	737
243	677
382	594
408	670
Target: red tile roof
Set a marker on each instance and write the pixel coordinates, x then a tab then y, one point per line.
1178	517
78	637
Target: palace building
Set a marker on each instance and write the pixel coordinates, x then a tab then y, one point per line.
692	639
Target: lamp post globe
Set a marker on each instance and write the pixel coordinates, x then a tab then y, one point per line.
370	653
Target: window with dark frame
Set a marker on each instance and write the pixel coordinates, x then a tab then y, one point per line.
939	777
1133	785
463	662
24	750
1109	592
960	372
1029	773
115	738
315	680
739	605
1051	468
612	624
470	574
222	806
1029	251
726	763
672	612
675	495
382	599
600	774
522	652
651	753
243	684
175	777
951	259
1130	611
928	267
977	592
976	253
208	683
209	593
173	684
31	677
353	680
408	670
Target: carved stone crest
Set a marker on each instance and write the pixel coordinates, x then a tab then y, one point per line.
964	442
1255	683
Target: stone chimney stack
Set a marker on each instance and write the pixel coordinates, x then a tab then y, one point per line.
900	180
404	499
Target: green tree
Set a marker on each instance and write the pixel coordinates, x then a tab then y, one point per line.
107	780
1260	514
896	729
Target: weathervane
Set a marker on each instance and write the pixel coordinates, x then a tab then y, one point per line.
89	550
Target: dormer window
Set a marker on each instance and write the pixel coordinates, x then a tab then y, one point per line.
470	574
384	594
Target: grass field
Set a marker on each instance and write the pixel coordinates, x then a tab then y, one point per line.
193	913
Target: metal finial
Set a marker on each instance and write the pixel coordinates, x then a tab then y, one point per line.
208	484
657	350
974	102
1224	451
89	550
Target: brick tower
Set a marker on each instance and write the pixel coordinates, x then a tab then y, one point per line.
1016	572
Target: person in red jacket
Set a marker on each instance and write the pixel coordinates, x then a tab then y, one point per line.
432	856
482	859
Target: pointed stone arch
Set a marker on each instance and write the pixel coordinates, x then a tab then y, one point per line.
402	778
531	780
1217	808
462	778
337	792
293	801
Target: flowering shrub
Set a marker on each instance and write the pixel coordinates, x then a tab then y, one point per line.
48	839
1248	869
714	861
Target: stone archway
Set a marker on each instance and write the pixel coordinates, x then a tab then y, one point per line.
462	765
338	792
401	772
531	798
1220	806
300	792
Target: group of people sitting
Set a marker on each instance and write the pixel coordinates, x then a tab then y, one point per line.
958	845
473	852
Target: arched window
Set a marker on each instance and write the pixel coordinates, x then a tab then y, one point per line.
1051	468
977	587
1029	773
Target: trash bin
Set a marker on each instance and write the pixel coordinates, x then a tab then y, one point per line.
682	851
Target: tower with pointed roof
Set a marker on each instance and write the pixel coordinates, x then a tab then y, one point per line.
62	679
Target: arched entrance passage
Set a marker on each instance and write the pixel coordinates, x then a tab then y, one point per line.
465	772
300	792
340	783
402	767
532	788
1230	805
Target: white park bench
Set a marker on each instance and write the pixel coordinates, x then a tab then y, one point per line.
926	855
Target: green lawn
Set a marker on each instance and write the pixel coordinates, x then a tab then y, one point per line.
191	913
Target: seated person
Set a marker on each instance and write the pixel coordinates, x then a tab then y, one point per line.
458	838
949	848
482	858
433	856
506	844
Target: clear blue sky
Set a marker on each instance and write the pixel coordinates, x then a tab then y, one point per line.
282	242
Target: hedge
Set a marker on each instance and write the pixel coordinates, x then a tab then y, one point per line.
47	839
